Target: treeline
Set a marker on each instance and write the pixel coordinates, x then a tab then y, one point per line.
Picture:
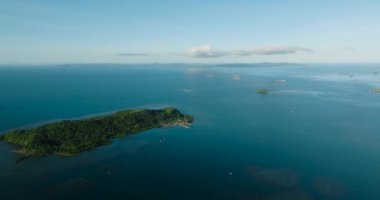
75	136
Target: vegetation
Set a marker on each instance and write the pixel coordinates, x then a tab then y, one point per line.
262	91
70	137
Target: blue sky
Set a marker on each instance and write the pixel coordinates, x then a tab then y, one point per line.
166	31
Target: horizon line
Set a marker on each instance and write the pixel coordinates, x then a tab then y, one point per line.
187	63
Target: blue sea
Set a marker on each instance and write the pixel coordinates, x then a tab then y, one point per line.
314	136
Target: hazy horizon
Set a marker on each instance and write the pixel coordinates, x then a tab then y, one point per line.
188	63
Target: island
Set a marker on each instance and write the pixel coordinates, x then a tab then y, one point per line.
71	137
377	90
262	91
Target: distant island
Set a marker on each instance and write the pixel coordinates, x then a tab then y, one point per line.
262	91
71	137
377	90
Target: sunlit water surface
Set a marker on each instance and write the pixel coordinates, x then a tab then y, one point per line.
314	136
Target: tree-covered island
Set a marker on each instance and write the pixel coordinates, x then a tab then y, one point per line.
71	137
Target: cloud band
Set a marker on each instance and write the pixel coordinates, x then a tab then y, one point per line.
207	51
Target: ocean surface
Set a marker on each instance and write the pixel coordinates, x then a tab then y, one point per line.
315	135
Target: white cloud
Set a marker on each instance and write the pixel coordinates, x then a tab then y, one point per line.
205	51
208	52
276	50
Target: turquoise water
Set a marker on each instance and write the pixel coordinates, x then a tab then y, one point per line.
315	136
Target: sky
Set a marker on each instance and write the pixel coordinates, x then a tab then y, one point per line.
197	31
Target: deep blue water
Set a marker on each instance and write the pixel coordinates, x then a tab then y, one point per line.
316	136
